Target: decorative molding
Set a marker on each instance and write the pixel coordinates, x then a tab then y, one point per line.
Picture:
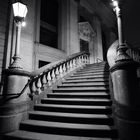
86	32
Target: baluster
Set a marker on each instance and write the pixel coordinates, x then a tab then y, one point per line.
33	88
74	63
80	61
74	66
64	69
49	78
57	72
61	71
44	80
53	76
83	59
68	66
38	85
87	59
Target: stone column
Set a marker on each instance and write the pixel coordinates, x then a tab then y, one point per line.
98	48
69	27
126	99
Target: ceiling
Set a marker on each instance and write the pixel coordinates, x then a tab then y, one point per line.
130	17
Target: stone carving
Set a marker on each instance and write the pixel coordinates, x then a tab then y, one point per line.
86	32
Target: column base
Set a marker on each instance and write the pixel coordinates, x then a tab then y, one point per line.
128	130
12	114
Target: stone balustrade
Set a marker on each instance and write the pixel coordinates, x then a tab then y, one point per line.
49	74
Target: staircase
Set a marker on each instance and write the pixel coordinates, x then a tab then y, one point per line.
78	109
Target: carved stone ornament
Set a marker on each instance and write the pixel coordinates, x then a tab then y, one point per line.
86	32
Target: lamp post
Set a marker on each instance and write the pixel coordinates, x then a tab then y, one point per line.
121	52
14	81
20	12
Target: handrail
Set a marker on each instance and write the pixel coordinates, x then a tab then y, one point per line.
47	75
51	65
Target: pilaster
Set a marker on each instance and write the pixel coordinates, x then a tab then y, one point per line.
98	48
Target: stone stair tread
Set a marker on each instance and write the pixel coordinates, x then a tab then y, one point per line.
92	71
81	93
88	77
75	115
81	89
85	84
77	99
92	74
96	64
27	135
86	80
73	106
66	125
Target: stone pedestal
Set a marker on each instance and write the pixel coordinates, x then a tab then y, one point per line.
126	99
13	105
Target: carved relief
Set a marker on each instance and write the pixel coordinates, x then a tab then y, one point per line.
86	32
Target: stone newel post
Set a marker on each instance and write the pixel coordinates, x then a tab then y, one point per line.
125	87
13	104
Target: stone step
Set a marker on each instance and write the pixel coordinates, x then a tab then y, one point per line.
91	71
95	68
87	80
28	135
74	108
96	65
85	95
77	101
82	83
72	129
81	89
71	117
88	77
103	62
90	74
